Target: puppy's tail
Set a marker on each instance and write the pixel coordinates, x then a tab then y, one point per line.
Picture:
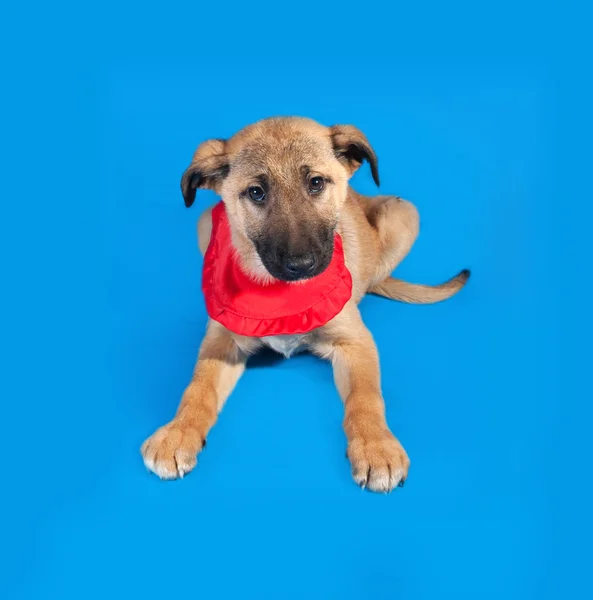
413	293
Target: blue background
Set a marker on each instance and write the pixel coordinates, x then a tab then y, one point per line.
479	115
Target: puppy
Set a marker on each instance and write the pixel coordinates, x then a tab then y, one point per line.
284	185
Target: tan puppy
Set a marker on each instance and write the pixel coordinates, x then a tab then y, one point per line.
284	183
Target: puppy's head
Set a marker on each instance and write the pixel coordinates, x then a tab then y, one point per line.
283	182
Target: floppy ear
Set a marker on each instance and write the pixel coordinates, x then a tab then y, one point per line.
352	148
208	168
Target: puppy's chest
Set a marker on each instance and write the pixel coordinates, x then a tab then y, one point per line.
287	344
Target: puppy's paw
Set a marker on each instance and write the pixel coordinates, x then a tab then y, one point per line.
379	463
171	451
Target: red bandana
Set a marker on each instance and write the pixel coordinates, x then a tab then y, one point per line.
254	309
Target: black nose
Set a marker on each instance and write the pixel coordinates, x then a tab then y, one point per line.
299	266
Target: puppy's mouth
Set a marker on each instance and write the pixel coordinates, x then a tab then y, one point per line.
295	266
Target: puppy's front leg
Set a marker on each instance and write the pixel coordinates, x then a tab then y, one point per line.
172	450
378	460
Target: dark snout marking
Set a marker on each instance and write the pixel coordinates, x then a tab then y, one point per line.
291	258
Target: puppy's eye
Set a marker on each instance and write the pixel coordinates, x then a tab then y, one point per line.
316	185
256	194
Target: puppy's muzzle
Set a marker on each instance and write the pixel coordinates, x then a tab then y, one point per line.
293	262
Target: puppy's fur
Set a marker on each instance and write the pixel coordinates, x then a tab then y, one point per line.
282	156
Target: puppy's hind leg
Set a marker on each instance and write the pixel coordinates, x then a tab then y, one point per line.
396	222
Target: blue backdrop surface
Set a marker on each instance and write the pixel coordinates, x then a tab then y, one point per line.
104	315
